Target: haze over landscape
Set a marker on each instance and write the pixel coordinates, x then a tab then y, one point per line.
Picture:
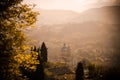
89	27
59	39
74	5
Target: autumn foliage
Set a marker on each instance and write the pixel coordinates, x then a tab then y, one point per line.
14	52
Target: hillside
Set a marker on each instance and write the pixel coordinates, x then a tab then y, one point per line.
93	36
108	14
51	17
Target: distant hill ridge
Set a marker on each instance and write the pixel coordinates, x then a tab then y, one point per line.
108	14
94	29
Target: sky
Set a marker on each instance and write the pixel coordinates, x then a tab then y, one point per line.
74	5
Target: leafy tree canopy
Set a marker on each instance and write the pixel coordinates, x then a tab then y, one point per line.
14	18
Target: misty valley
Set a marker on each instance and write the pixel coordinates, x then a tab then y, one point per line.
60	44
91	37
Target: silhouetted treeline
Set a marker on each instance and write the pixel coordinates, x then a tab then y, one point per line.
42	58
97	72
42	52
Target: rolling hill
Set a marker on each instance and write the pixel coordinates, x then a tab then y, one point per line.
93	34
52	17
107	14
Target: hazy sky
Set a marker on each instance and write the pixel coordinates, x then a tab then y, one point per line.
75	5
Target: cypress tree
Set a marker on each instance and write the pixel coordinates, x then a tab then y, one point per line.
44	52
79	72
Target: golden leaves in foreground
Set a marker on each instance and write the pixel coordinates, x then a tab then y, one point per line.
29	60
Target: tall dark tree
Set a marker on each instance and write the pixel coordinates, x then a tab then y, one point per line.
39	73
79	72
44	52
